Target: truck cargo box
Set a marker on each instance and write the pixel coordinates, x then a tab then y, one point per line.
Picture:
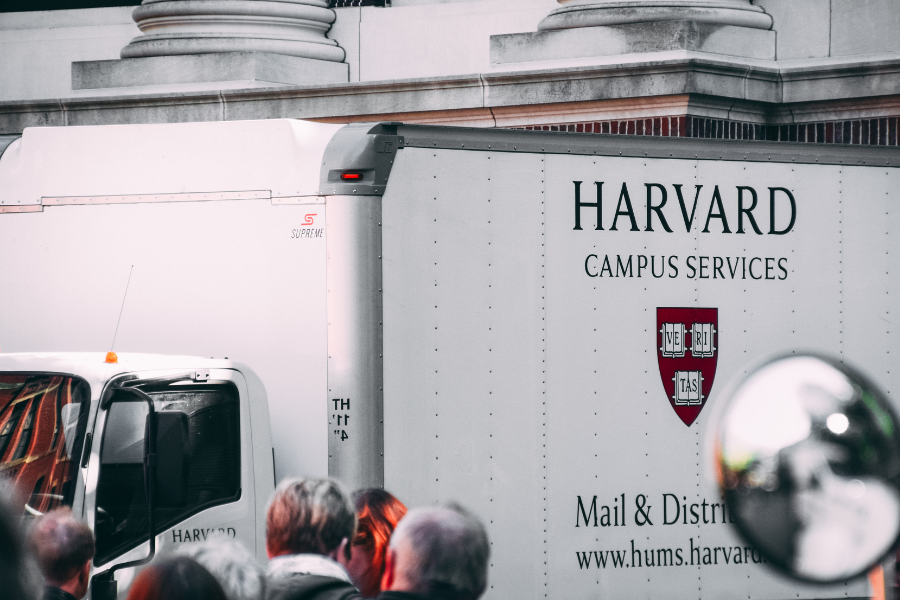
538	325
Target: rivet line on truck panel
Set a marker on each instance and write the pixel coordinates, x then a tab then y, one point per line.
490	371
841	259
544	362
147	198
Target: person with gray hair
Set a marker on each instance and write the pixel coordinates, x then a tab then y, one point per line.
231	564
437	554
64	548
309	524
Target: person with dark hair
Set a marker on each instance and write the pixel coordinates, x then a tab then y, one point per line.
377	514
231	564
19	576
175	578
437	554
309	524
64	548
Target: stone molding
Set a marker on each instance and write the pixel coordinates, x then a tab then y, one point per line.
708	77
862	77
633	38
179	27
694	86
261	68
597	13
840	110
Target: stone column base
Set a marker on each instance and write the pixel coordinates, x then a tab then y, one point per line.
593	13
258	67
632	38
177	27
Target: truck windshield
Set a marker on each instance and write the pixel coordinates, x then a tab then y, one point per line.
214	462
43	418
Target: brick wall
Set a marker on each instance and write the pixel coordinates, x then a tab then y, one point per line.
873	132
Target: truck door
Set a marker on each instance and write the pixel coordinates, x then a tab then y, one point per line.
220	502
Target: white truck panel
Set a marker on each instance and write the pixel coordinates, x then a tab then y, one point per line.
463	360
223	279
490	314
871	288
619	409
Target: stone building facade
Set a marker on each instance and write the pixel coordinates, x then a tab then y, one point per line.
819	71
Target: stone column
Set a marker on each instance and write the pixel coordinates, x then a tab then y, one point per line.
594	13
286	27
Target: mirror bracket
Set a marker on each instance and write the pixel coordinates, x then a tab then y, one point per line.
104	586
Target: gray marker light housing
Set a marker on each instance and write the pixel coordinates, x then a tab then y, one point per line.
364	148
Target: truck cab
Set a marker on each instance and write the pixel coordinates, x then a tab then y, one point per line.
70	435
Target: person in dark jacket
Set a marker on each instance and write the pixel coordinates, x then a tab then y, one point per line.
437	554
309	524
231	564
176	578
19	574
64	548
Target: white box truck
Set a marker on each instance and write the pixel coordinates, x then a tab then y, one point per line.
533	324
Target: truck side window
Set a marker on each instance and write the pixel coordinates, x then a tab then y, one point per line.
42	428
214	472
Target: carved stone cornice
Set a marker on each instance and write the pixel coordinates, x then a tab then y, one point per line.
699	86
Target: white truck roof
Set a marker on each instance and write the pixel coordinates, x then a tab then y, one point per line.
93	368
280	157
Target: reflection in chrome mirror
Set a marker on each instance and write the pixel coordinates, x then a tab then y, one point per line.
123	442
808	458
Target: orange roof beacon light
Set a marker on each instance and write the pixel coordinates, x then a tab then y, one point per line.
351	176
111	357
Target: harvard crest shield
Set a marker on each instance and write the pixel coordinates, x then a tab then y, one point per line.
687	349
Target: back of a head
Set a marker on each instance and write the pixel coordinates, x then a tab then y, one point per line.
61	544
443	553
175	578
232	565
309	516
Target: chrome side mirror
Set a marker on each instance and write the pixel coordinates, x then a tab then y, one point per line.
808	459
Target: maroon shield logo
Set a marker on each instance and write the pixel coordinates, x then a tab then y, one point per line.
687	341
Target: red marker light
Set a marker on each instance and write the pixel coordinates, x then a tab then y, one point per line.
111	357
351	176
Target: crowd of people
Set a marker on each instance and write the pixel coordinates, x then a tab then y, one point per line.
322	544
